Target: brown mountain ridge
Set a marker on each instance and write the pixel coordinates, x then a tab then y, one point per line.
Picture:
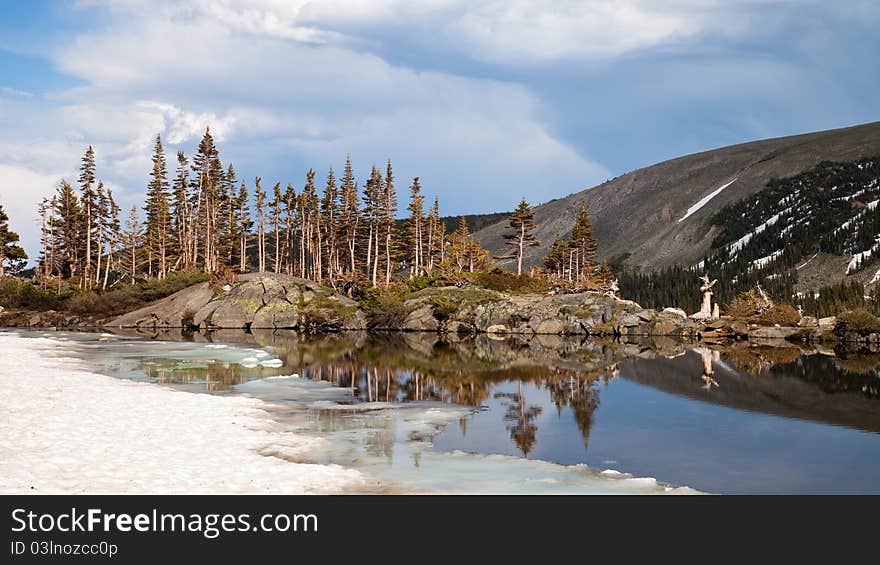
644	215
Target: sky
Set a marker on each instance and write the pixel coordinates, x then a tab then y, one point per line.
487	101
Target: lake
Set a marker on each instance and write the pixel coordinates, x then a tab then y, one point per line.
473	414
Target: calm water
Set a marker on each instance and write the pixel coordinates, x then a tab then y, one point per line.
415	412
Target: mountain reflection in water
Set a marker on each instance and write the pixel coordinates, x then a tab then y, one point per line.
722	419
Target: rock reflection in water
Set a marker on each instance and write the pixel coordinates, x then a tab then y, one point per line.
401	367
696	414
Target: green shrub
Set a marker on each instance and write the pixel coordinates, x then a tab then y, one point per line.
782	314
444	306
505	281
16	293
421	283
122	299
858	321
388	314
745	305
384	306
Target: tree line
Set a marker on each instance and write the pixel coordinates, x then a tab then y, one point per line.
202	217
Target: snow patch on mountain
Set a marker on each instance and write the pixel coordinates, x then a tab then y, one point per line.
764	261
744	240
703	201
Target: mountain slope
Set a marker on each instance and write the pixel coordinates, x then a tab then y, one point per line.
830	210
658	216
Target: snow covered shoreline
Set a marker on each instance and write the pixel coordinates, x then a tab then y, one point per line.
68	430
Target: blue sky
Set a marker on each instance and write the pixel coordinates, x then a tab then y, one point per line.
486	101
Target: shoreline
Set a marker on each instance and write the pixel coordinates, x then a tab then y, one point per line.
72	431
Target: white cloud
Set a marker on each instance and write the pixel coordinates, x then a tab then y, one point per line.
279	102
509	32
21	189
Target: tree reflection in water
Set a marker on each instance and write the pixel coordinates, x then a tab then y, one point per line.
522	429
470	371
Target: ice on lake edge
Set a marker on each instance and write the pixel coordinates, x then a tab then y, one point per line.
102	419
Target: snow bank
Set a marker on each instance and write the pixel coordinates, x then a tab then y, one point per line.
68	430
705	200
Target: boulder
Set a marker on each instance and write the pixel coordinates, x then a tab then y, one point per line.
494	314
775	332
666	326
497	329
172	311
257	300
421	320
809	322
457	327
646	315
739	328
629	320
675	311
356	322
553	326
241	307
827	324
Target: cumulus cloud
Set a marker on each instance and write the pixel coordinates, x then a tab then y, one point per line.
500	31
279	102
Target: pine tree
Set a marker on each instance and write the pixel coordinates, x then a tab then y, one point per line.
415	225
372	212
557	256
228	218
605	276
12	255
158	214
275	207
583	248
260	202
89	204
389	211
521	225
112	228
330	223
47	259
308	217
132	239
349	215
181	213
465	253
245	225
290	218
66	228
103	211
436	237
209	173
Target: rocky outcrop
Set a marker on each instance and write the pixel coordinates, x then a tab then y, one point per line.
272	301
261	300
474	310
773	332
